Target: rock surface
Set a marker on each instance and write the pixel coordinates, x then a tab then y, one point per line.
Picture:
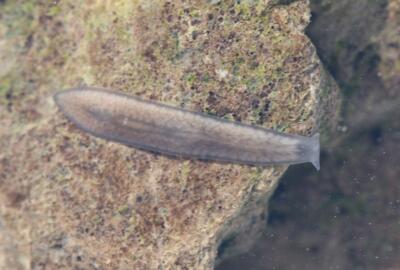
68	200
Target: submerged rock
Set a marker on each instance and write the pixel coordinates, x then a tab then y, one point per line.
70	200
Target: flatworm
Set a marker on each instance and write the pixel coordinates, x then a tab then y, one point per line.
175	132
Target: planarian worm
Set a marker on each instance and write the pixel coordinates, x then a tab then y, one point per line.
175	132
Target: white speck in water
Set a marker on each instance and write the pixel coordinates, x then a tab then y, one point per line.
342	128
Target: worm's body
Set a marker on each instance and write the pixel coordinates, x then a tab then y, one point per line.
176	132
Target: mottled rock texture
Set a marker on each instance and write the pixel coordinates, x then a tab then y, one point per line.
389	49
71	201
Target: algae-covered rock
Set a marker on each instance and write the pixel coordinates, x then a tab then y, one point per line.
69	200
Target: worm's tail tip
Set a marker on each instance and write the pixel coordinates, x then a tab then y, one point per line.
316	151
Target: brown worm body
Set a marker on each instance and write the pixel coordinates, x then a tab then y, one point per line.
176	132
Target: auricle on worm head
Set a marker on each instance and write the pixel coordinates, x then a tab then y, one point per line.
172	131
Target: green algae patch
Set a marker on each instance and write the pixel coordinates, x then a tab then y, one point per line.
16	29
5	86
